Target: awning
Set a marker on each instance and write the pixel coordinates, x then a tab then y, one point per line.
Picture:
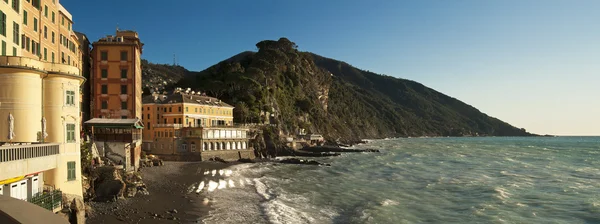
115	123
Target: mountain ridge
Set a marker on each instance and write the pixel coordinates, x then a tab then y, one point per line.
301	90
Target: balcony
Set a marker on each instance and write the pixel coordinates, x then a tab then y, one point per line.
48	198
31	63
21	160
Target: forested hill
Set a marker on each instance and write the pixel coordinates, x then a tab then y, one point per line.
295	90
159	77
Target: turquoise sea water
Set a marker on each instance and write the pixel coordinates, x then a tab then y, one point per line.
422	180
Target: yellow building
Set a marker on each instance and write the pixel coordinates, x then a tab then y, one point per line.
179	123
116	82
40	79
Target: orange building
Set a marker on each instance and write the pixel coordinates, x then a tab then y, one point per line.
116	79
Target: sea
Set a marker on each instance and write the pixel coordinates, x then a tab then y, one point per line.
420	180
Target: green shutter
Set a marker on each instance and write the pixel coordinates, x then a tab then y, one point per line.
24	17
3	48
71	171
2	23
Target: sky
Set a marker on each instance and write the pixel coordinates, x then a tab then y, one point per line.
532	63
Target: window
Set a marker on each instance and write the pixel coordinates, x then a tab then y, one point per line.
46	11
123	73
123	117
170	109
52	57
123	55
123	89
14	51
62	21
148	115
45	54
36	3
174	120
3	48
53	21
35	23
104	105
104	89
70	132
183	146
104	73
45	32
179	109
123	105
16	33
53	37
71	171
193	147
179	120
186	109
165	121
69	59
2	23
70	97
148	126
15	5
24	17
104	56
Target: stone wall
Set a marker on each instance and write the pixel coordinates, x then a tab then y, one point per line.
179	157
228	155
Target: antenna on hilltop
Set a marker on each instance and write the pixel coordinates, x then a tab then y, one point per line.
117	27
174	60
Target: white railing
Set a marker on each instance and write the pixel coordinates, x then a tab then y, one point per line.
19	152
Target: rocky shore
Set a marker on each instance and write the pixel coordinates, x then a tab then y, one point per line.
168	200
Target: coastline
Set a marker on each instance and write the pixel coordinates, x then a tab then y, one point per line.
170	199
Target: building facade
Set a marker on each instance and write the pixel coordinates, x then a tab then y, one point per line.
85	49
116	77
40	77
184	122
119	140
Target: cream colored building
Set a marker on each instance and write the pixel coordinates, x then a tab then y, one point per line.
40	77
192	125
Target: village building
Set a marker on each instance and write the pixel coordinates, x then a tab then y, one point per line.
40	78
115	93
117	139
188	125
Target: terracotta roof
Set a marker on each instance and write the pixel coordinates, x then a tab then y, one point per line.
185	98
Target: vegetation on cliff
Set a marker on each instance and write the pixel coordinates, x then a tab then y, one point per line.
295	90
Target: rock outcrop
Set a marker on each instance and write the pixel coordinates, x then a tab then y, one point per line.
109	184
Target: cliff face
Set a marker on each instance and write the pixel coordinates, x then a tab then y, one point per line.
299	90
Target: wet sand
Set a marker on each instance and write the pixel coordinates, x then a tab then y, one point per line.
169	187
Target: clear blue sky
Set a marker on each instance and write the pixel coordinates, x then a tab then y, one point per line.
532	63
